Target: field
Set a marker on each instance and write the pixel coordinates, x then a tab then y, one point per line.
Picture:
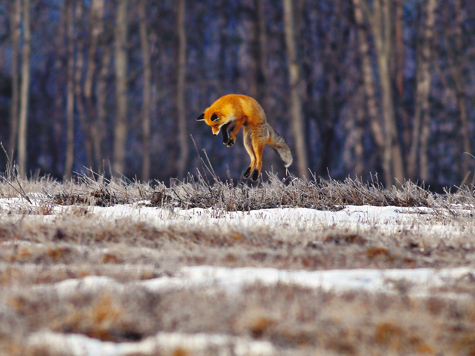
206	267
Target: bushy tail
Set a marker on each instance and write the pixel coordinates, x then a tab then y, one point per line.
282	148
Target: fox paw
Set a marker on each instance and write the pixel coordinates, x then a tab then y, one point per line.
255	175
247	173
230	142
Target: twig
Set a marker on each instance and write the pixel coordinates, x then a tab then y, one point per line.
21	191
201	160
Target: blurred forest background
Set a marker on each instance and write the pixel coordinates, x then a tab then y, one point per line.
357	87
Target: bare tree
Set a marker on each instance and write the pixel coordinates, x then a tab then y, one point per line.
101	154
25	90
69	91
180	88
101	94
146	90
294	83
423	87
261	53
379	19
15	21
60	55
78	88
120	58
96	25
369	84
456	69
399	70
381	23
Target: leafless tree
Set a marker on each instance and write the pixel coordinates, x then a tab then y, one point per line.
15	21
78	82
423	86
95	134
293	68
120	58
457	64
146	90
180	89
369	83
69	91
379	17
60	43
25	89
101	154
261	53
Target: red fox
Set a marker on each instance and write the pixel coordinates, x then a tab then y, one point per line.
231	112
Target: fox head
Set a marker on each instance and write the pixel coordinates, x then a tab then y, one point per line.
213	120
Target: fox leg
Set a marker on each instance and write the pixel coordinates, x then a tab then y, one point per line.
258	149
248	146
233	129
224	131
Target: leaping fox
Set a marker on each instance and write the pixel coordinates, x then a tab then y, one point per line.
231	112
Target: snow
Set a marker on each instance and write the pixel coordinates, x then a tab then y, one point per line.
199	344
422	282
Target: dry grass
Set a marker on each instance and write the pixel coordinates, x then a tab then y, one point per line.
41	246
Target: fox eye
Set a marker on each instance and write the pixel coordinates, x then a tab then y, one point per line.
214	117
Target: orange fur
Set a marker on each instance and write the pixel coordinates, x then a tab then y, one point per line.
230	113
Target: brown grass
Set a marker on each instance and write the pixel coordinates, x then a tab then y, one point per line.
57	239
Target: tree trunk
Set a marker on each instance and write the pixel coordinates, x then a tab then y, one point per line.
262	80
460	96
96	30
380	21
15	20
101	108
298	126
399	55
369	84
146	91
85	124
359	120
382	36
120	125
59	100
25	90
180	89
422	97
69	92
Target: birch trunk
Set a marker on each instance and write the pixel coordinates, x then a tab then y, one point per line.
96	30
85	124
382	36
59	100
293	68
69	92
379	20
146	90
369	85
24	90
419	148
461	96
120	57
180	89
262	79
15	20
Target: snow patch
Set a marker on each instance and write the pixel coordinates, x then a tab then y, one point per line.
196	344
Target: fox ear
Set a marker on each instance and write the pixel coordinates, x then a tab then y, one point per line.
214	117
201	117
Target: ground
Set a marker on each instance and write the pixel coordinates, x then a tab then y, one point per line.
286	267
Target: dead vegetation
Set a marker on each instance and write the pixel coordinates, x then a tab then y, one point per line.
48	235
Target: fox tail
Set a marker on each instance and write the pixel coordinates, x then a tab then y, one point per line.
281	147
